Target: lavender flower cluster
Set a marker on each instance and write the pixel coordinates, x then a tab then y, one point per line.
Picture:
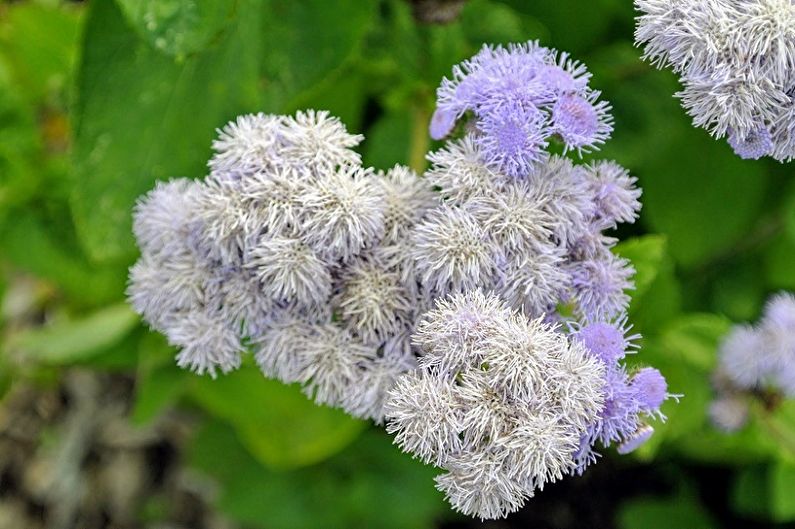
499	402
329	273
521	97
289	248
753	360
736	59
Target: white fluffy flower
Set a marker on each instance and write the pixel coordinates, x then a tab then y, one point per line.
250	142
451	251
206	343
499	402
290	271
459	172
316	142
331	360
737	64
406	200
344	213
372	301
163	217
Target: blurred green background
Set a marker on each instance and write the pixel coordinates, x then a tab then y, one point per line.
98	428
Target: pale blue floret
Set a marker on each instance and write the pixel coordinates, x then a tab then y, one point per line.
522	96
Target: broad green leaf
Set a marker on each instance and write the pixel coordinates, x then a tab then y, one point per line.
766	492
696	337
571	25
158	382
646	254
20	149
490	22
701	195
341	94
751	492
32	247
303	43
681	511
278	424
387	141
739	290
69	341
783	492
369	484
178	27
142	116
789	214
40	43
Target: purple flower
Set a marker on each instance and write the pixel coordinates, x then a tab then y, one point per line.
650	389
753	145
607	341
599	286
514	139
637	439
442	122
514	94
581	124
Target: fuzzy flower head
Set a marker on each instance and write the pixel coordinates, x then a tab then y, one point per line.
736	61
521	96
754	358
507	398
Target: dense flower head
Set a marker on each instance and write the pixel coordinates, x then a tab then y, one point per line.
760	356
753	361
435	303
278	251
508	398
521	97
736	60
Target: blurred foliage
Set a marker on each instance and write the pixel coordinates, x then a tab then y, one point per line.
98	100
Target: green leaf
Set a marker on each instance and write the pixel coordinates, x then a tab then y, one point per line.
40	42
765	492
277	423
789	214
646	254
701	195
26	243
696	337
159	382
782	487
69	341
779	259
486	21
178	27
142	116
387	141
370	484
307	42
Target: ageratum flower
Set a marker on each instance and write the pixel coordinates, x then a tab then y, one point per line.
522	96
499	402
323	269
762	355
280	248
736	60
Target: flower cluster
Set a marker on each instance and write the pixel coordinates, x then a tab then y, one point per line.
630	400
535	240
736	59
499	402
521	97
288	248
754	360
323	269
